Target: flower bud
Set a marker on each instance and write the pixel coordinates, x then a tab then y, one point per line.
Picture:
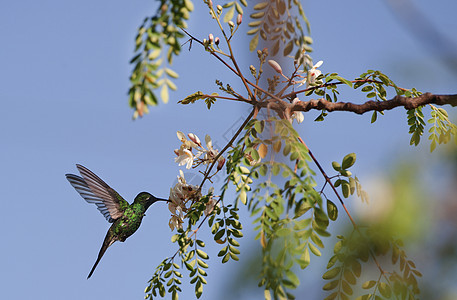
216	41
275	66
219	9
210	3
211	38
194	138
231	24
239	18
220	163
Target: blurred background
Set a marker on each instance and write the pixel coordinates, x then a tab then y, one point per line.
63	88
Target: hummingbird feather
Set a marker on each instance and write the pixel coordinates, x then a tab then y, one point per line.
84	190
110	198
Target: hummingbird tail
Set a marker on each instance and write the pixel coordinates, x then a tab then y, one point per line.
95	265
109	240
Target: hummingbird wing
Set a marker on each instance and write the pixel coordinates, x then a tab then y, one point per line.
95	190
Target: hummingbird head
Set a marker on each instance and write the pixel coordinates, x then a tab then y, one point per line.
147	199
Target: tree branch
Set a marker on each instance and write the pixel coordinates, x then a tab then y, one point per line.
406	102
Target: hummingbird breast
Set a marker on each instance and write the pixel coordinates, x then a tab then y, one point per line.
128	223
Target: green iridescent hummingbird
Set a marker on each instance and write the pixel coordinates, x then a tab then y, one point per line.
126	218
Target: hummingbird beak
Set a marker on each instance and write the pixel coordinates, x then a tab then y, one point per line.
153	199
161	199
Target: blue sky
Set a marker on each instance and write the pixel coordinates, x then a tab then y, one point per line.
63	87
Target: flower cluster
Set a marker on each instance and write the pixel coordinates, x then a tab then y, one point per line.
297	115
309	78
185	156
183	193
180	194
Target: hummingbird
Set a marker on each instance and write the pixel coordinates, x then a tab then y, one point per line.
125	218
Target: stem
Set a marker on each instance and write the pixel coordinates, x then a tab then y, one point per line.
327	179
226	147
235	71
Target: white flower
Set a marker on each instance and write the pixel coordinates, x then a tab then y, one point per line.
175	205
314	72
298	115
185	157
211	153
181	178
210	206
185	142
211	202
300	82
209	142
175	222
179	195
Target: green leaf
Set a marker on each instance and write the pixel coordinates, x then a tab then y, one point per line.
202	264
304	259
332	261
332	210
374	116
336	166
260	6
371	95
202	254
192	98
276	169
343	80
346	173
171	73
254	42
234	256
229	14
331	296
349	277
385	289
348	161
368	284
164	93
223	251
367	88
198	289
345	187
332	273
219	234
330	285
263	169
243	196
293	278
347	288
267	294
316	239
226	258
254	154
283	231
288	48
314	249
